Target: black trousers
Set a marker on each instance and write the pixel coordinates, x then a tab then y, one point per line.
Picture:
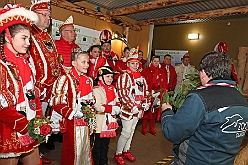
100	149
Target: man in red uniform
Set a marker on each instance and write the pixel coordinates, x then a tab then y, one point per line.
66	42
112	57
44	54
171	73
143	61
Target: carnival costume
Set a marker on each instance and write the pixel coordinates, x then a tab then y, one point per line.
44	54
133	91
64	47
94	64
171	75
18	96
107	107
156	79
71	93
111	56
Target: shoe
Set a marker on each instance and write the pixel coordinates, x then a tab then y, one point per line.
127	155
50	145
119	159
144	132
153	132
44	159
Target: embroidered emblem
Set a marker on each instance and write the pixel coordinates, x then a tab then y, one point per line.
49	45
140	85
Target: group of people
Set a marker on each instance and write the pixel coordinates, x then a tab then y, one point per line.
84	92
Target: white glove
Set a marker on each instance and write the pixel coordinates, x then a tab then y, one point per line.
156	102
115	110
155	94
135	110
78	114
145	106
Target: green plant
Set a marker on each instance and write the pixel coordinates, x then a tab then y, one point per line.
177	97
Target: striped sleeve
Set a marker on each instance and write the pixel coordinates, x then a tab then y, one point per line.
59	101
124	85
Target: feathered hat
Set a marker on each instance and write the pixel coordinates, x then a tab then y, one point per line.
40	5
133	55
15	14
105	37
221	47
68	22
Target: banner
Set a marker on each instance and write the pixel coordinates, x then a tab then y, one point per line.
85	37
176	55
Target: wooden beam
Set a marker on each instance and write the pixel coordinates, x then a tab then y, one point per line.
91	13
200	15
149	6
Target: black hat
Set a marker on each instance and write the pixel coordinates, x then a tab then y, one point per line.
103	70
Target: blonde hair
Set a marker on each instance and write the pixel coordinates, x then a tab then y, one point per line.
76	53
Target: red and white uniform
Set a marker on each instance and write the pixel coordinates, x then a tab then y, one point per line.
111	57
45	59
68	92
15	103
132	91
65	48
95	63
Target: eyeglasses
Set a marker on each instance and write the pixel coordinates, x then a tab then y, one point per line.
45	15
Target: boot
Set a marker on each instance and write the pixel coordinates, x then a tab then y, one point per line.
127	155
144	126
152	127
118	158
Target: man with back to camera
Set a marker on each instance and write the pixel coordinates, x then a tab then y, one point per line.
171	72
210	125
66	42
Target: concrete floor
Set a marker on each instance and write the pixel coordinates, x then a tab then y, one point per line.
147	149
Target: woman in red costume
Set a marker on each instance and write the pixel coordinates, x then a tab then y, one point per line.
72	95
156	78
19	98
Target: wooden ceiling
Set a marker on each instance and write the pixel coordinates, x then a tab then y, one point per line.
158	12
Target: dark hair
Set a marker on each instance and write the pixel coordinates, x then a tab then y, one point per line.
126	48
14	29
92	47
140	51
216	65
76	52
167	55
155	57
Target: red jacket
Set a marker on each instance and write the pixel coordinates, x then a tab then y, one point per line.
156	78
173	76
65	48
